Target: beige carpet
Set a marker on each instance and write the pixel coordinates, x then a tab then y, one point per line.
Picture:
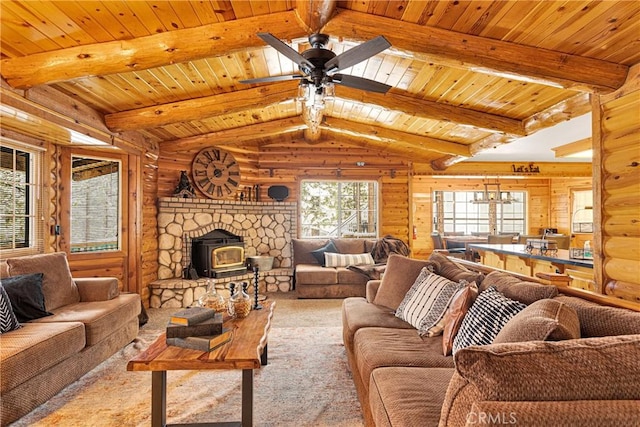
306	382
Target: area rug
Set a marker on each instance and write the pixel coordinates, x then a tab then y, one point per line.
306	382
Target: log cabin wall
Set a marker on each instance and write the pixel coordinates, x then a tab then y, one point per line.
616	141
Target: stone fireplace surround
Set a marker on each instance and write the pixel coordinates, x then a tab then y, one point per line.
267	228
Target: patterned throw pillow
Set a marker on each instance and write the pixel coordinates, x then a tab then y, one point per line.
343	260
486	317
8	320
426	303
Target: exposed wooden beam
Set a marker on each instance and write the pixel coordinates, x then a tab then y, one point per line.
201	108
396	100
147	52
315	13
575	106
547	169
236	136
572	148
483	54
400	139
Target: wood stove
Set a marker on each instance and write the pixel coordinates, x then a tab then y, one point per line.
218	253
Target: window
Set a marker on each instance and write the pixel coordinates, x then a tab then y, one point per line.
455	211
339	209
95	204
582	211
20	206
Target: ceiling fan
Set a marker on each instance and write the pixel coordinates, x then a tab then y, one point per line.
320	66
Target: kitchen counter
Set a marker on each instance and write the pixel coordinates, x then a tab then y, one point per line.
562	256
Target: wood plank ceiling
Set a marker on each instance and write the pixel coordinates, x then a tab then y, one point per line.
465	75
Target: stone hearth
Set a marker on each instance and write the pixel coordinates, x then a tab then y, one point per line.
267	228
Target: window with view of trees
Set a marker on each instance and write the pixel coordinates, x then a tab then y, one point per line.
339	209
19	204
95	204
454	211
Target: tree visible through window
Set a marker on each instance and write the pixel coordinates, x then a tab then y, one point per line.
95	204
339	209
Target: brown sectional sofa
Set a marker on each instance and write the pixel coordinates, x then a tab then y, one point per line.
404	379
312	280
90	321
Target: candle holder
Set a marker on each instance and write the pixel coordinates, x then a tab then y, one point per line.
256	280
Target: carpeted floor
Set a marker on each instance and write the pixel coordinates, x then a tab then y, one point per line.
306	382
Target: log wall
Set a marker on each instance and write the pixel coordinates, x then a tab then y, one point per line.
616	136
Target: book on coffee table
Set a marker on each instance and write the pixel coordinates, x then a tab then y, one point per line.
191	316
203	343
212	326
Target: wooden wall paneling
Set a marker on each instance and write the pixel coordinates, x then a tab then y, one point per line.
149	249
134	219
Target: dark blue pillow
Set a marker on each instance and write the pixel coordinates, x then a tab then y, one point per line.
319	253
8	320
27	299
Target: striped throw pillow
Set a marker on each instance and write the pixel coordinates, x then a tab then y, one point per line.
426	303
344	260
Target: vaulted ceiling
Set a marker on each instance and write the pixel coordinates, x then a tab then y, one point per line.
465	75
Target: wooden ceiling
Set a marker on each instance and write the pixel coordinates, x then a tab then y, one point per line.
465	75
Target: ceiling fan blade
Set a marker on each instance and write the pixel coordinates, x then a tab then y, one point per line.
360	83
286	50
357	54
273	78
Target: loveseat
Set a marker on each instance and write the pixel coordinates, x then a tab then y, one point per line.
313	279
579	367
84	321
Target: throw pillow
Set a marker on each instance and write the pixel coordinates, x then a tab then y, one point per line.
486	317
460	304
516	289
452	271
343	260
318	254
8	320
427	301
57	285
26	296
399	276
544	320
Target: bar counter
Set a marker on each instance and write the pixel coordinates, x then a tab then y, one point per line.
515	258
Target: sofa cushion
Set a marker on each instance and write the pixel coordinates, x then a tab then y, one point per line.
460	304
36	347
57	284
318	254
452	271
426	303
543	320
516	289
309	274
486	317
408	396
302	250
599	321
349	245
26	296
379	347
590	368
8	320
399	276
345	275
344	260
101	318
358	313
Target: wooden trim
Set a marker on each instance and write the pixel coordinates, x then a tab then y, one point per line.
599	273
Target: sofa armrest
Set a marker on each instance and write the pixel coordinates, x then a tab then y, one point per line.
97	288
590	413
372	289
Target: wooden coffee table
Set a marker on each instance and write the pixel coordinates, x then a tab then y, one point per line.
247	350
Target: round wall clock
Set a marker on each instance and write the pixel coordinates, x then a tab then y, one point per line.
216	173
